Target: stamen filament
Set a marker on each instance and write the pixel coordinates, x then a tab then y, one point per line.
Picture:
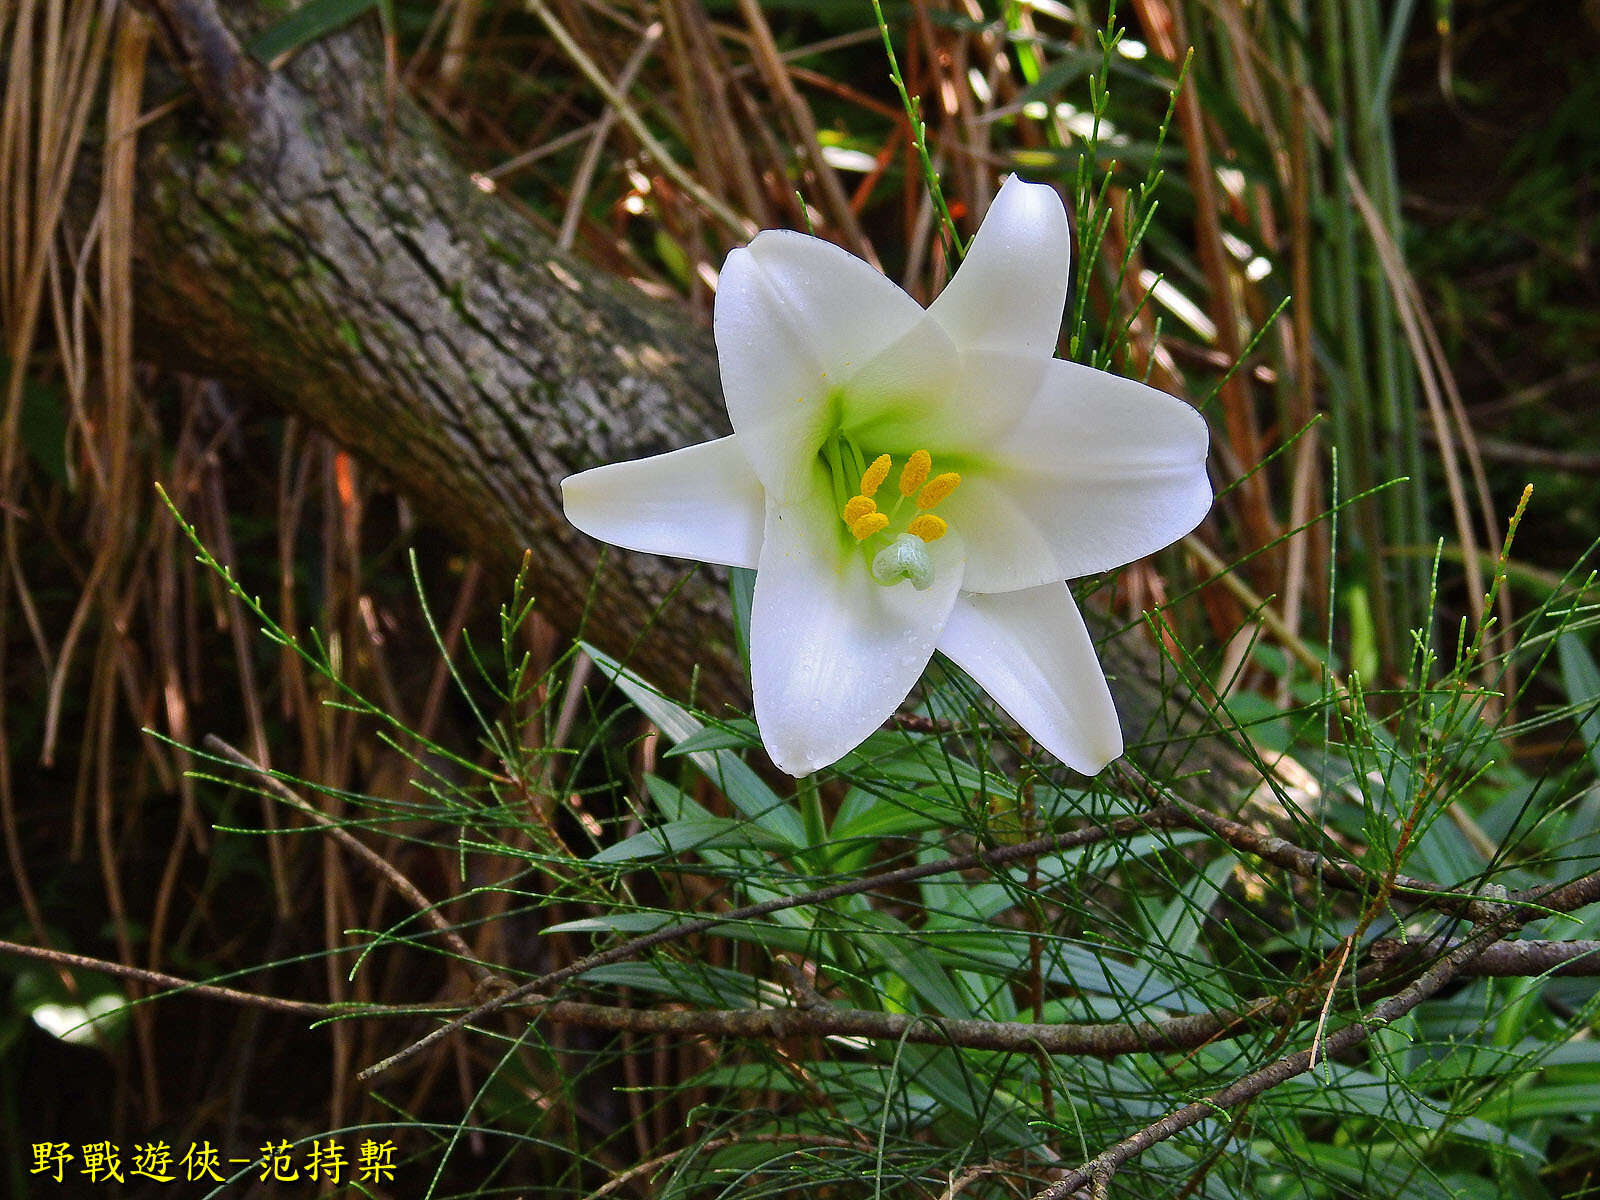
903	557
830	450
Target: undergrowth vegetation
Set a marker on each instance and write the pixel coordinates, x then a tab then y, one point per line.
312	838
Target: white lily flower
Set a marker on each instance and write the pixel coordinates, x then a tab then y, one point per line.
906	479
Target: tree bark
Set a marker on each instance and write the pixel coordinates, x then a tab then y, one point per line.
304	235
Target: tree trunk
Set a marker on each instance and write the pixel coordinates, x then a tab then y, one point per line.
304	236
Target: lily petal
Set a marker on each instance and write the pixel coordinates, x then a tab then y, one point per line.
1031	651
795	319
919	394
702	502
832	653
1098	472
1011	288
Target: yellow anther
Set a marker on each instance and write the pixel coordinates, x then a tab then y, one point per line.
937	489
872	478
914	472
857	507
868	524
927	527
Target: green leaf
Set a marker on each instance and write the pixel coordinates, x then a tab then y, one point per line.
1059	866
755	873
767	934
741	785
912	759
735	735
894	949
1136	988
1344	1091
694	833
866	816
982	1103
1581	679
624	922
1179	927
1378	1169
742	590
697	983
43	426
313	19
1567	1101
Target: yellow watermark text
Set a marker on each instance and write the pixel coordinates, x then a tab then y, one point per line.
314	1161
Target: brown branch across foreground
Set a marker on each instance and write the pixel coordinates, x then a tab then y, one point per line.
1340	873
173	983
1502	960
1097	1039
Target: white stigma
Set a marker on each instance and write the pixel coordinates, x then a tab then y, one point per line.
904	558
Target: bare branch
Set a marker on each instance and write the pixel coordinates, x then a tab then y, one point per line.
1341	873
1101	1040
172	982
1505	959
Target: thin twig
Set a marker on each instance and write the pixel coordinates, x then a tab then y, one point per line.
425	907
583	179
735	224
172	982
1339	873
1104	1040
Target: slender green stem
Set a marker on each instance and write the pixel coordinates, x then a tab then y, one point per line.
842	950
919	137
811	815
836	470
